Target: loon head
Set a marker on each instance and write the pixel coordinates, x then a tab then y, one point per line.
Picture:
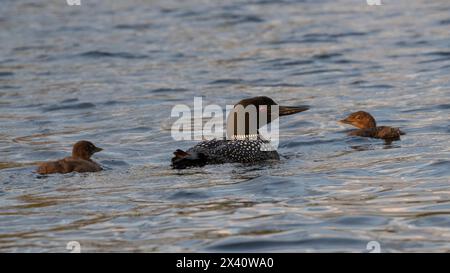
361	120
84	149
251	114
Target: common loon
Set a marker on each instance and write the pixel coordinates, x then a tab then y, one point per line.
244	143
80	161
368	127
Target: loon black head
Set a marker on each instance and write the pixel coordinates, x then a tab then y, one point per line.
361	120
251	114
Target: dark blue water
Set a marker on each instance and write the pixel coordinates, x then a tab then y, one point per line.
111	71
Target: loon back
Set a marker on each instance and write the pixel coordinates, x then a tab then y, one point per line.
225	151
382	132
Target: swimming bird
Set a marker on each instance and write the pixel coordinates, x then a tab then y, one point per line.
243	144
80	161
368	127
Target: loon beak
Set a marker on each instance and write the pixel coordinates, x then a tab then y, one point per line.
289	110
345	121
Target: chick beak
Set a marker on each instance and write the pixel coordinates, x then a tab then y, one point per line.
289	110
345	121
97	149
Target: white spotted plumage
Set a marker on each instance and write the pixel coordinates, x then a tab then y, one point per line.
242	150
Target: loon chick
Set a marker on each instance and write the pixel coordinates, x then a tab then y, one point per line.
368	127
244	143
80	161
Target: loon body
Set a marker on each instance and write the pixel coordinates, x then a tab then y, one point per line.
80	161
243	145
219	151
368	127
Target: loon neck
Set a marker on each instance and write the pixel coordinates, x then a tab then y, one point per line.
246	137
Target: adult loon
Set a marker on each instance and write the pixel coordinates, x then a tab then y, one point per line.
244	143
368	127
80	161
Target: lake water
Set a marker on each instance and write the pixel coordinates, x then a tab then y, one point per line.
111	71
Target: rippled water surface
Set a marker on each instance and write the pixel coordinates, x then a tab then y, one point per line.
111	71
